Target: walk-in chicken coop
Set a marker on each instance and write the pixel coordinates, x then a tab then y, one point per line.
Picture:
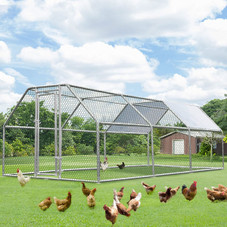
66	132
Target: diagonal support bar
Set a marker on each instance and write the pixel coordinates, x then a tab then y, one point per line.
81	102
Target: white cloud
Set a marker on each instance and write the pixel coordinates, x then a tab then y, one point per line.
88	21
19	77
202	84
4	6
105	67
211	42
5	55
37	55
8	97
96	65
83	29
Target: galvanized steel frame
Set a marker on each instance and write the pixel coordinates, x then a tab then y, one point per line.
59	128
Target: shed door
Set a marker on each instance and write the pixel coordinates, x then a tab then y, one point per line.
178	146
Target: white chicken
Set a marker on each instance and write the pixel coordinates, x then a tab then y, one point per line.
22	180
104	165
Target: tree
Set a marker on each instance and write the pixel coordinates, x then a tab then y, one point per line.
216	109
2	120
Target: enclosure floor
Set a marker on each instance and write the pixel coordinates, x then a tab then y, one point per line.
120	173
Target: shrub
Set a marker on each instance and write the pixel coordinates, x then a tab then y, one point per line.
119	150
48	150
30	150
18	148
8	149
84	149
205	149
70	150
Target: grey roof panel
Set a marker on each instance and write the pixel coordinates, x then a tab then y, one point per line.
193	116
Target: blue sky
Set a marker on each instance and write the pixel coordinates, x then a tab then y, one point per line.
171	50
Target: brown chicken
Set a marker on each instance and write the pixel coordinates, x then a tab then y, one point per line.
189	193
45	204
63	204
91	198
111	212
173	190
215	195
149	189
165	196
134	204
132	195
121	208
86	191
120	194
220	188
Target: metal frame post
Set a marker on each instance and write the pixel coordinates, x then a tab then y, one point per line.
98	151
36	169
59	133
104	141
56	134
223	151
190	149
148	149
152	151
3	150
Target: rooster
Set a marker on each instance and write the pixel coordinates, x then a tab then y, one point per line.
121	208
104	165
22	180
134	204
149	189
132	195
190	193
215	195
91	198
63	204
120	193
165	196
121	166
111	212
86	191
45	204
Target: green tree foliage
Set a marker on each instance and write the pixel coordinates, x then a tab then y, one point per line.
8	149
217	110
225	139
205	148
84	149
2	120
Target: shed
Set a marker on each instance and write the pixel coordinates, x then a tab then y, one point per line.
178	142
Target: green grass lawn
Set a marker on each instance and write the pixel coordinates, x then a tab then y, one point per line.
163	164
19	206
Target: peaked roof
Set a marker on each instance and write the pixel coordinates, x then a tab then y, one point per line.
117	112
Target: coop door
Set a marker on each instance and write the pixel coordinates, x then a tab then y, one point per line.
178	146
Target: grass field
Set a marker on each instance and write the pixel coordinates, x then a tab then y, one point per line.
163	164
19	206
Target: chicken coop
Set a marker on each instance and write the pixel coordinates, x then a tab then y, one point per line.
66	132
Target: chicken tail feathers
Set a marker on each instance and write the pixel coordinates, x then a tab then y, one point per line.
183	187
138	197
115	196
27	179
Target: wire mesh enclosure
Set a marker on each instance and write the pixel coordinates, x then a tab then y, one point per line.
67	132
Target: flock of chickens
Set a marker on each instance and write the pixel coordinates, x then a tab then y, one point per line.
111	213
